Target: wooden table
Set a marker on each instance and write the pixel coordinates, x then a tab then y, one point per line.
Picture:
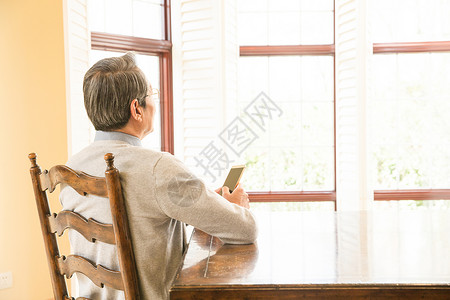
324	255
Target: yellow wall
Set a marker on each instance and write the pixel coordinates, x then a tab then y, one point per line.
32	119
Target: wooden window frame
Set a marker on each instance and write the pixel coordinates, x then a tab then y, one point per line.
411	194
162	49
316	50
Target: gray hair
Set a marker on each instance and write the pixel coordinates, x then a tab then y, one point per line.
109	87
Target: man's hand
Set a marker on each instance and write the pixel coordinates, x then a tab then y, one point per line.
239	196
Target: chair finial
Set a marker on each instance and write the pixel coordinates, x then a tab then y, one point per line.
109	159
32	157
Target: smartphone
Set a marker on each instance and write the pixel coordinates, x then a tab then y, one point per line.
233	177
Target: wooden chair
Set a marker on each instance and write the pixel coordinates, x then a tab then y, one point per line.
118	233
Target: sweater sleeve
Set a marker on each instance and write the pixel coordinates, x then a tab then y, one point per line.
184	197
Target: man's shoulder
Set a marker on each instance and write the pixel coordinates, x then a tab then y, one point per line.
123	153
140	151
168	165
167	159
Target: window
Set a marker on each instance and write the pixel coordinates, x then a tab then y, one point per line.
287	58
313	63
410	108
142	26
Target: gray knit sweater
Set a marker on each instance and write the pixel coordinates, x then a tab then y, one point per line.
161	196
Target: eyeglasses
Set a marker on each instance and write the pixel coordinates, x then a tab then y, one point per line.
154	94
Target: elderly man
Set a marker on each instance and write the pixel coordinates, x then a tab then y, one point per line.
161	194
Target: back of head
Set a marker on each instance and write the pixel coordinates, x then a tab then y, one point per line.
109	87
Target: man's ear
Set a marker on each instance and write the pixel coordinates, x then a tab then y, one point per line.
136	110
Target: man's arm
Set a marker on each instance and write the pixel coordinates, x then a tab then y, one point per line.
182	196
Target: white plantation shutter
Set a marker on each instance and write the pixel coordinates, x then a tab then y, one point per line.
353	52
353	191
230	52
206	52
77	47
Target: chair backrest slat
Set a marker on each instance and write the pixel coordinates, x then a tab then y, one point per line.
90	229
81	182
117	233
97	273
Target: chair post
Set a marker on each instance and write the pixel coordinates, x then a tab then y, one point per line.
51	246
123	237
